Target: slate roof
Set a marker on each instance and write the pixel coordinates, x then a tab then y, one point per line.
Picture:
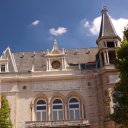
25	60
106	27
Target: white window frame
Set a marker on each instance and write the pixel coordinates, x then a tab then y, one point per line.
41	111
57	110
74	109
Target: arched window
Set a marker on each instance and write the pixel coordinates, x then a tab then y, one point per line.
57	109
74	109
41	114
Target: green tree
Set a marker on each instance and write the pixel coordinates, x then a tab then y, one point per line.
120	94
5	121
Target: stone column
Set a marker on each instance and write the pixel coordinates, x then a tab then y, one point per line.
64	63
107	57
101	61
32	111
49	63
6	67
65	111
105	62
82	111
49	111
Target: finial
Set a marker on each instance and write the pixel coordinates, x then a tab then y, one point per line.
32	68
104	9
47	50
55	45
55	49
55	41
33	54
76	52
63	51
8	47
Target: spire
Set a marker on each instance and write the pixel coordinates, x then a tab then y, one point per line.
106	28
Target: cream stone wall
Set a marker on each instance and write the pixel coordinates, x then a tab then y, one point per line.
22	95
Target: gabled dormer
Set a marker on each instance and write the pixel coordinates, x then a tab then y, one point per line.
7	62
55	59
107	41
3	64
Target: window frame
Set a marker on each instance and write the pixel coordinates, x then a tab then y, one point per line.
41	111
1	68
57	110
4	62
74	109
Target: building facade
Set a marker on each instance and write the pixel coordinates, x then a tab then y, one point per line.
62	87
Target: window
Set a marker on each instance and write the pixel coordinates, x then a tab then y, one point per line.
88	66
74	109
2	68
57	109
82	66
41	110
91	66
110	44
112	57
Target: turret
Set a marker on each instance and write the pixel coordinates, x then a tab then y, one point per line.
107	41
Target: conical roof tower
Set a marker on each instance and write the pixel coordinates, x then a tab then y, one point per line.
107	40
107	29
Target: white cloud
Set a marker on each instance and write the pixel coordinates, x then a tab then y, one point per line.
119	25
58	31
85	23
35	23
94	26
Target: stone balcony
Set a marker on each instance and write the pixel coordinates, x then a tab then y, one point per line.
54	124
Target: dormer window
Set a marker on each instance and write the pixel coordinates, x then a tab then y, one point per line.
2	68
3	65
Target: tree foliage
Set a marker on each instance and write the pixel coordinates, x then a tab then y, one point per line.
5	121
120	94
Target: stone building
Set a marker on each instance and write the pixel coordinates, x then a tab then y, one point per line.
62	87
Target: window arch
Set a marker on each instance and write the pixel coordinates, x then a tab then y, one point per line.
57	109
74	108
41	110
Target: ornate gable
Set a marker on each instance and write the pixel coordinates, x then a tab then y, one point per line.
55	59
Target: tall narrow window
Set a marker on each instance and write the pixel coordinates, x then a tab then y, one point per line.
2	68
41	110
57	109
112	57
74	109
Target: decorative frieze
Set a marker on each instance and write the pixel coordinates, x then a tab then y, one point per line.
55	85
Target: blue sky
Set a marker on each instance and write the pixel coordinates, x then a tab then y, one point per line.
30	25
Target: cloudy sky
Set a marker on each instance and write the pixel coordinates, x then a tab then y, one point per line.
29	25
